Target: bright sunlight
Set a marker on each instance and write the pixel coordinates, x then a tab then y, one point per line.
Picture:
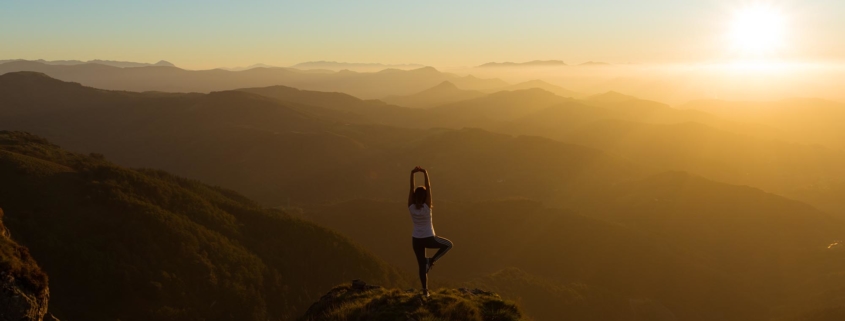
758	30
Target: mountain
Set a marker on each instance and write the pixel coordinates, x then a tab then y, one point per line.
329	100
609	207
172	79
359	67
119	64
445	92
503	105
253	66
124	64
252	131
594	63
557	90
361	301
534	63
346	109
276	151
264	142
24	293
146	245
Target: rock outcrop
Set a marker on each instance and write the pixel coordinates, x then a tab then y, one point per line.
361	301
23	286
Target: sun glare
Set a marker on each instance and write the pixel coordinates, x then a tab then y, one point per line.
758	30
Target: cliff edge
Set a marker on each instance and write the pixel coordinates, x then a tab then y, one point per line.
23	286
360	301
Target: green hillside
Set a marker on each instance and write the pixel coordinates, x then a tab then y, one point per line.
146	245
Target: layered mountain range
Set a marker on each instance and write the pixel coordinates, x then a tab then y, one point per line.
594	207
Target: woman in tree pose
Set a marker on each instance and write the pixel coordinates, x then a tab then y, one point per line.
419	204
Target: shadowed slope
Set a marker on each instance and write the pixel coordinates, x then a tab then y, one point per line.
24	294
146	245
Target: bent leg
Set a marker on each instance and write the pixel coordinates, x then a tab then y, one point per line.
443	245
419	252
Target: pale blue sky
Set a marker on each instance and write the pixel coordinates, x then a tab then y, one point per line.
206	34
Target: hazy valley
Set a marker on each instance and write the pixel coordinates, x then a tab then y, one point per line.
574	205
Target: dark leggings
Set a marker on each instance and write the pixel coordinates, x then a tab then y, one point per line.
442	245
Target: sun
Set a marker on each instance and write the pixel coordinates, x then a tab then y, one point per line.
758	30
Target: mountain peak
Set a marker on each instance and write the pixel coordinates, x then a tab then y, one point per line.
425	69
164	63
446	85
373	302
21	78
25	74
612	96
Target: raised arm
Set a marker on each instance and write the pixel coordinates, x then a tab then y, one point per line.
413	185
427	188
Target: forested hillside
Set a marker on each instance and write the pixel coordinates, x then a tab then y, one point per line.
146	245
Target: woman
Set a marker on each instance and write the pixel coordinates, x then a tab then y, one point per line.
419	204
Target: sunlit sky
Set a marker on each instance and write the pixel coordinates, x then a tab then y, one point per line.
209	34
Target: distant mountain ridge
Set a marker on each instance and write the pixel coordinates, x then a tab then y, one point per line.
354	66
253	66
366	85
524	64
594	63
113	63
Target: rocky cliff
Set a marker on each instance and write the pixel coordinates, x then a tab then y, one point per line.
360	301
23	286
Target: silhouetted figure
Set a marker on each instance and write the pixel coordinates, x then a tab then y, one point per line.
419	204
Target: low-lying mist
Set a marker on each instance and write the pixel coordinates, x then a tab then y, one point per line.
679	83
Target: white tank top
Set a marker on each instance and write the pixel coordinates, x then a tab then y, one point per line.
423	227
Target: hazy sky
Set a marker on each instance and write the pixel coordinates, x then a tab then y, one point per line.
207	34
